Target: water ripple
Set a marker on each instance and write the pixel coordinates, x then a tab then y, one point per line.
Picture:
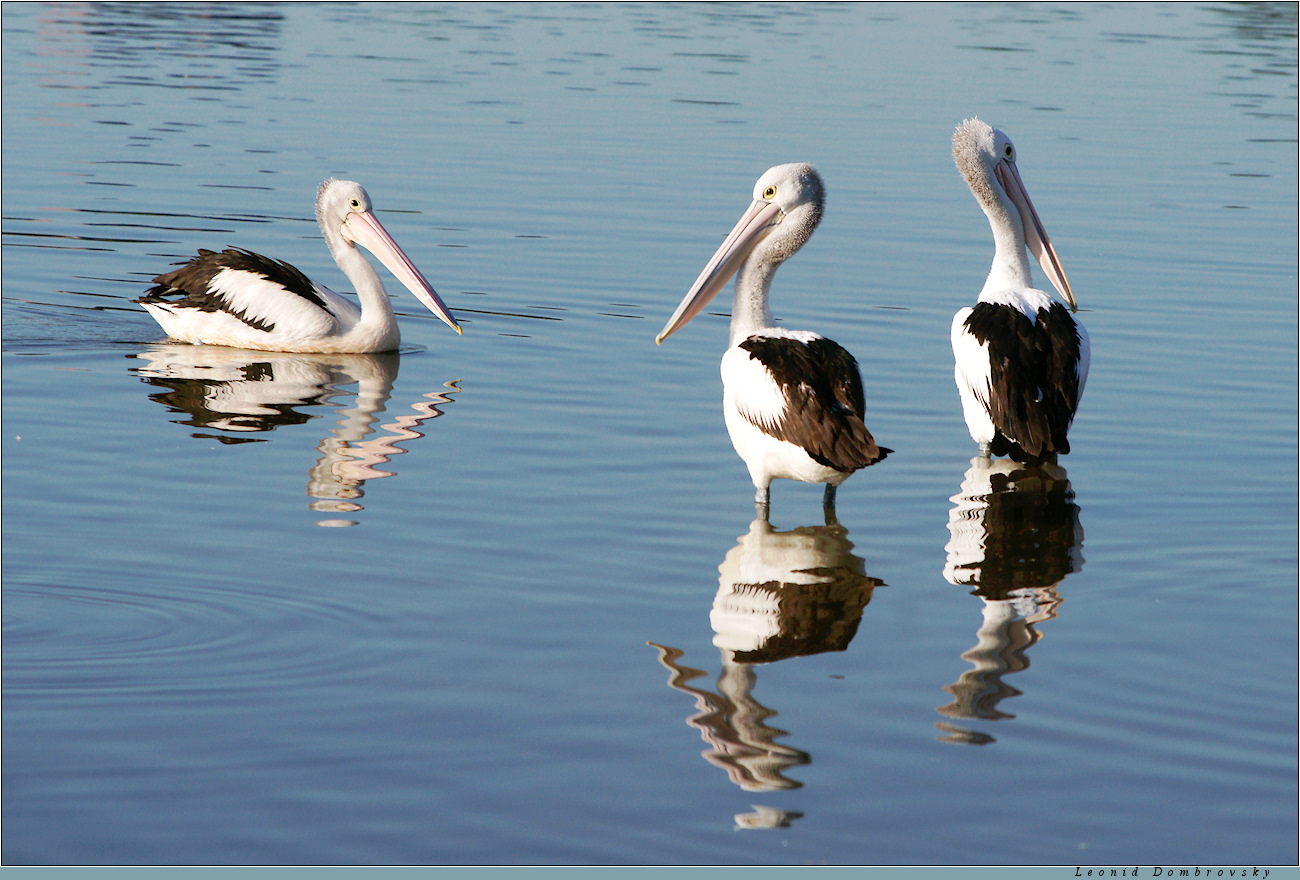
76	641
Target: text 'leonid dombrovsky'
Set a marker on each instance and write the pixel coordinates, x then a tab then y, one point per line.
1172	872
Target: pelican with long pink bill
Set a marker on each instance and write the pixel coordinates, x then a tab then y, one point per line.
1022	359
793	400
242	299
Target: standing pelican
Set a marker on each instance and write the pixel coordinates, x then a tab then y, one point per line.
243	299
1022	360
792	399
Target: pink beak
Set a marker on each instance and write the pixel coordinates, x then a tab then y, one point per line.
365	229
753	226
1035	236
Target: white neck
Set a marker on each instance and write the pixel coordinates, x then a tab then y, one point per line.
749	310
1010	270
376	307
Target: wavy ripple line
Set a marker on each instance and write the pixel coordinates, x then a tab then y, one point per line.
77	641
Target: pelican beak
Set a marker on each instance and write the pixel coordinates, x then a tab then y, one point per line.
1035	236
365	229
753	227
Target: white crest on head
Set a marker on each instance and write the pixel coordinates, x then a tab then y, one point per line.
797	189
975	150
335	199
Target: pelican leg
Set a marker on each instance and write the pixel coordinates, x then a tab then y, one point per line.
763	495
986	450
828	503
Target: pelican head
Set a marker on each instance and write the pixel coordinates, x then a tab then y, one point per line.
347	220
787	206
986	158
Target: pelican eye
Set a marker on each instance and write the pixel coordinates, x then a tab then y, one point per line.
769	193
354	204
1010	151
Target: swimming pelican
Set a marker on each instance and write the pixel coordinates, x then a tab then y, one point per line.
243	299
793	400
1022	360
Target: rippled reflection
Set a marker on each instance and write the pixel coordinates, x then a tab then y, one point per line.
238	393
780	594
1015	536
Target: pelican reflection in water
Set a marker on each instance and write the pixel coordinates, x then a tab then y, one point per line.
239	393
1015	535
781	594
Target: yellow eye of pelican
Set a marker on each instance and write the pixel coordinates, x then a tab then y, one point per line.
354	204
1009	151
769	193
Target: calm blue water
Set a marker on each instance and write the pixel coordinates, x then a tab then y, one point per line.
484	600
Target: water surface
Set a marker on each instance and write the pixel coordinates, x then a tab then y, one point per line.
503	597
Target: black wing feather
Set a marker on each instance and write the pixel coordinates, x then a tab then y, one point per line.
1034	373
826	405
190	286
